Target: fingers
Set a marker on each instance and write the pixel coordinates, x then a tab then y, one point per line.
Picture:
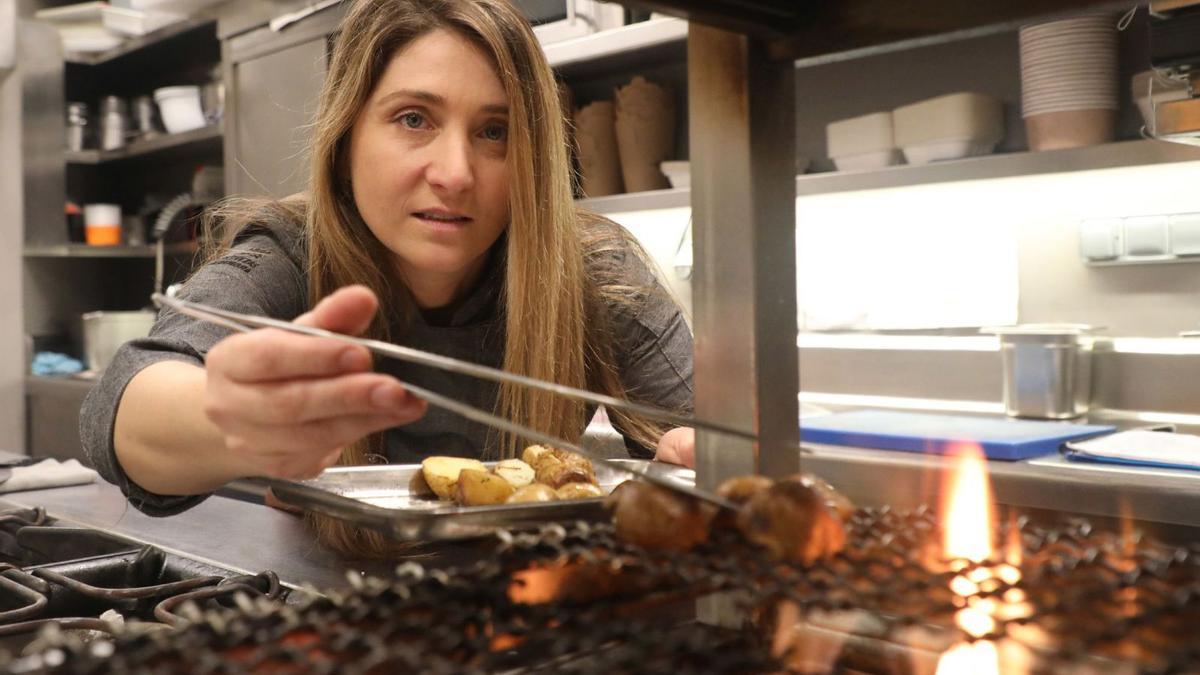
678	446
348	310
274	355
308	400
302	451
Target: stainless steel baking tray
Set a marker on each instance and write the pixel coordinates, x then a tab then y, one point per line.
378	497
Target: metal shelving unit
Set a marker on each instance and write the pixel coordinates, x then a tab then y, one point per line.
619	48
86	251
161	145
1008	165
139	43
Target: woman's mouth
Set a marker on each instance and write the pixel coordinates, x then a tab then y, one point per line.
443	217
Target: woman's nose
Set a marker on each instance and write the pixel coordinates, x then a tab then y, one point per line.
451	166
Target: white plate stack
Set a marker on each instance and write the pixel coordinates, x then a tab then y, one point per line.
1069	81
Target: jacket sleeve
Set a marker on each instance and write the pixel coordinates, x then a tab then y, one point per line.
653	346
258	275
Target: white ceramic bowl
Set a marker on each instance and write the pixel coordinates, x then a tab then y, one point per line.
866	161
940	150
180	108
678	173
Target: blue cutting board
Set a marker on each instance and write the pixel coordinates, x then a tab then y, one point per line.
999	437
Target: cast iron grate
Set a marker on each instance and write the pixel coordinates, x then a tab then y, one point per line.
571	598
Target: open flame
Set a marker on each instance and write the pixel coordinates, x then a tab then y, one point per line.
966	511
968	525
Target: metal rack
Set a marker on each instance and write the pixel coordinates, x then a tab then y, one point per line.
742	109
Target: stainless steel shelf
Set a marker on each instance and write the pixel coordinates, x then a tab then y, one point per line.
1108	156
137	43
159	144
618	47
86	251
638	201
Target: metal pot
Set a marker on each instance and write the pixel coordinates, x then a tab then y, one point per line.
1047	369
105	332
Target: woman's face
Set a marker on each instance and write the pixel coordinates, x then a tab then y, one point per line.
428	162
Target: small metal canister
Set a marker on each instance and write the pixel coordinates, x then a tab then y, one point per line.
1047	369
77	121
114	122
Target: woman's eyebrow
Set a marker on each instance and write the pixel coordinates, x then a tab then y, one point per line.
437	100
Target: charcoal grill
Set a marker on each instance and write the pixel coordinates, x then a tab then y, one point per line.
572	598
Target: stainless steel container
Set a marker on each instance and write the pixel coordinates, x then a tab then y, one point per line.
105	332
114	122
1047	370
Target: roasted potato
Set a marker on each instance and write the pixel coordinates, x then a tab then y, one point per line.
534	453
534	492
557	473
792	521
657	518
517	473
417	487
829	494
579	491
740	489
441	473
480	488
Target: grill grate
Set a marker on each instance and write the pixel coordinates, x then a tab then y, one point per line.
1092	599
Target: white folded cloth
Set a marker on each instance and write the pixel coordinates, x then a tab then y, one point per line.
48	473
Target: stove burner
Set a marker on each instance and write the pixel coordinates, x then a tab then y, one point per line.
75	579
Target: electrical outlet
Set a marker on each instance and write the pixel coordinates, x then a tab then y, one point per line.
1184	233
1100	239
1146	236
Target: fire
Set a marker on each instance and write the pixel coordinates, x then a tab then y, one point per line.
968	525
975	658
967	507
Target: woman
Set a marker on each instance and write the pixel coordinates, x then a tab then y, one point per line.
440	216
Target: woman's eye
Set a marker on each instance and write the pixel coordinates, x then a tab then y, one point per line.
495	132
412	120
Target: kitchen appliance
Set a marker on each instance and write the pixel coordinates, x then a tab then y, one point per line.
105	332
572	598
87	583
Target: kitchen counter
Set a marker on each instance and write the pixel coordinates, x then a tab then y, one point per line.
1164	502
230	533
250	537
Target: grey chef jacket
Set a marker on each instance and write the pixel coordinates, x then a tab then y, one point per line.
264	273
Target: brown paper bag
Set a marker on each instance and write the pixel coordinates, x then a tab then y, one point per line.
595	136
645	121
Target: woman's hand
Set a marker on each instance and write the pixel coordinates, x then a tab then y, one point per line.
678	446
287	404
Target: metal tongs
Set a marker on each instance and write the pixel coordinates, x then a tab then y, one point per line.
247	322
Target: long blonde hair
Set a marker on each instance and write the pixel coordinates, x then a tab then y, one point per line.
555	305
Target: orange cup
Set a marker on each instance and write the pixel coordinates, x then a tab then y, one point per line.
102	224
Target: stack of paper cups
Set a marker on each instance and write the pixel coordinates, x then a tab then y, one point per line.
1069	81
645	121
